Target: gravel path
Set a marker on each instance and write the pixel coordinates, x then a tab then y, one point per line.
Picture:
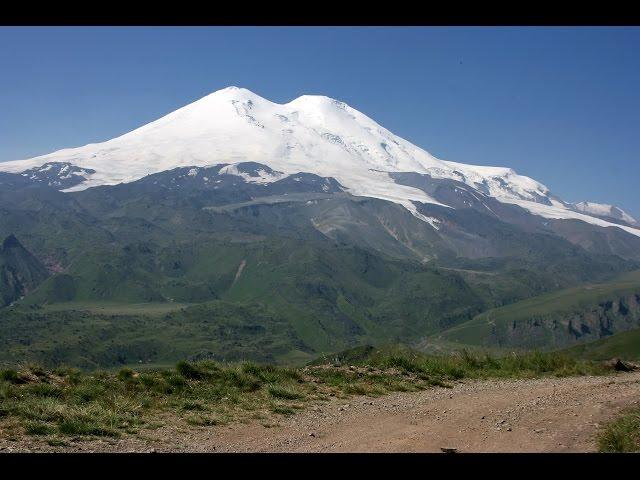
540	415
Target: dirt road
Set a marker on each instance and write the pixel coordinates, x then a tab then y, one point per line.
541	415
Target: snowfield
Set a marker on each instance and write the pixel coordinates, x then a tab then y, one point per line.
604	210
314	134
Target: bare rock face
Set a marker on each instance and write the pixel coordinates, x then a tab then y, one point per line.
58	175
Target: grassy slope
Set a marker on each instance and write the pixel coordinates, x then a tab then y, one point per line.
139	244
66	402
20	271
331	297
114	308
322	293
557	305
274	312
625	345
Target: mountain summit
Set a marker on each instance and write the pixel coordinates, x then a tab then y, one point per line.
313	134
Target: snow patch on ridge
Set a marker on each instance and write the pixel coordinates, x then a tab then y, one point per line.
604	210
260	176
433	221
553	211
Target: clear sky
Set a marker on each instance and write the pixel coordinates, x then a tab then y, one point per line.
561	105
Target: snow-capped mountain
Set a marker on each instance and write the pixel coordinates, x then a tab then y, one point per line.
312	134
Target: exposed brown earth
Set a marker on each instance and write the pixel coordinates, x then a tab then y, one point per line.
538	415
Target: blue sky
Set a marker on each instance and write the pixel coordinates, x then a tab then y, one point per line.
561	105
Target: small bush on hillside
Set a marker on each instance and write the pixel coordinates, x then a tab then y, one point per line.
9	375
125	374
37	370
188	370
71	375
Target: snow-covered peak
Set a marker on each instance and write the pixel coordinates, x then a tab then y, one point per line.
234	92
312	133
314	100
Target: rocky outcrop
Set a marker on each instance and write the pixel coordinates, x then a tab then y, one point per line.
561	330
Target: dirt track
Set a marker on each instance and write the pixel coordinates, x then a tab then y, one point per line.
543	415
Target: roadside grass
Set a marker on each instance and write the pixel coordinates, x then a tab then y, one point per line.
68	403
622	434
465	364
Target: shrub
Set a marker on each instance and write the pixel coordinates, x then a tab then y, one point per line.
37	370
125	374
9	375
73	375
188	370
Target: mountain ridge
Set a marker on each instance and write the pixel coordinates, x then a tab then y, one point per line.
20	271
312	133
294	266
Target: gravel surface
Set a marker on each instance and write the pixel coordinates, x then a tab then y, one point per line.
539	415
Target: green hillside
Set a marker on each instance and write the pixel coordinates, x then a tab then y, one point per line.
91	336
557	319
624	345
161	269
20	271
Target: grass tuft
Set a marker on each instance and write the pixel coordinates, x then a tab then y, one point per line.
38	428
623	434
277	391
85	427
9	375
